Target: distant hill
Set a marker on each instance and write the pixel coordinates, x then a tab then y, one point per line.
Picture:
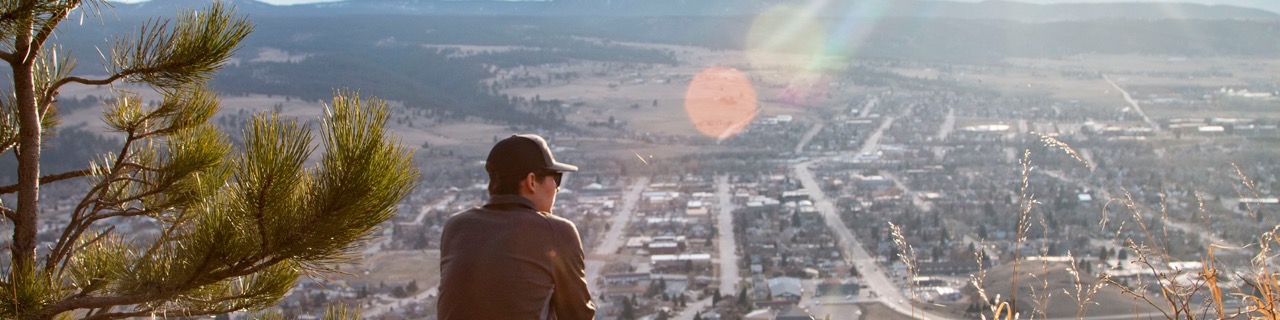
998	9
381	46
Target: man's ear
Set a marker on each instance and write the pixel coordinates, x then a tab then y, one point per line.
529	181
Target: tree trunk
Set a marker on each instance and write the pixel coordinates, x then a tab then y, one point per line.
24	224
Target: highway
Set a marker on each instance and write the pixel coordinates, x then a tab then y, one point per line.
1154	126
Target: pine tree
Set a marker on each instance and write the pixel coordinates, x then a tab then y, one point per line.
628	310
228	239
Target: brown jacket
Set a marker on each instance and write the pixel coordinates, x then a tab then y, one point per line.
506	260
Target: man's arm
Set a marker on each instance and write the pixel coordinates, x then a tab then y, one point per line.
571	299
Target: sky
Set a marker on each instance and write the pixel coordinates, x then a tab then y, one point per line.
1272	5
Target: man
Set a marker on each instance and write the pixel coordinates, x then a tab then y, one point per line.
512	258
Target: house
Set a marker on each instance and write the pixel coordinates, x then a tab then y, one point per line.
695	208
786	288
762	314
834	287
950	267
626	278
664	247
793	314
680	260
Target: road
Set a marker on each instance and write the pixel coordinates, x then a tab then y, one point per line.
613	239
728	246
384	239
871	104
948	125
1154	126
873	276
1205	235
873	141
387	303
424	210
916	199
808	136
692	309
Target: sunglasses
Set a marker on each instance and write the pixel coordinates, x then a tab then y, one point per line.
556	175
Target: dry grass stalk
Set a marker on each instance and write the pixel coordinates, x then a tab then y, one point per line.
1041	297
908	258
1025	202
1084	294
1177	299
1054	143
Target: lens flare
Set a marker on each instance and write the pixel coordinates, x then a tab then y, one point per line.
785	38
720	102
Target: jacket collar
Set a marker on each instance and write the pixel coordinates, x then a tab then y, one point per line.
510	199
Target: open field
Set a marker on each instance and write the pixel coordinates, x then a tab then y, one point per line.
397	268
1032	278
1078	78
651	99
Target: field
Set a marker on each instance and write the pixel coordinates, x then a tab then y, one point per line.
652	98
1032	277
397	268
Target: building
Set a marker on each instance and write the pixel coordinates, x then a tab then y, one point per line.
680	260
835	287
786	288
793	314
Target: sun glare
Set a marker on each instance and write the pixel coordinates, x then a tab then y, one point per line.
720	102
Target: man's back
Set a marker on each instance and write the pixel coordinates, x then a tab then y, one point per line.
508	261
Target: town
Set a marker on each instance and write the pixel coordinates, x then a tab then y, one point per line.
754	183
892	205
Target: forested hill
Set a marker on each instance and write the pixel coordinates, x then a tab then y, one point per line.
389	55
992	9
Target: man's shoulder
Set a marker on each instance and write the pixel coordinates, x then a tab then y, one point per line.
465	213
560	223
557	219
494	214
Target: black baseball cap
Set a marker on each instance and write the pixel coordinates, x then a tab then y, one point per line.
521	154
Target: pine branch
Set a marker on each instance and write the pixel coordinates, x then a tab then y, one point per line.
185	313
131	212
95	239
46	29
4	146
119	315
61	251
49	179
7	56
8	213
48	94
113	301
